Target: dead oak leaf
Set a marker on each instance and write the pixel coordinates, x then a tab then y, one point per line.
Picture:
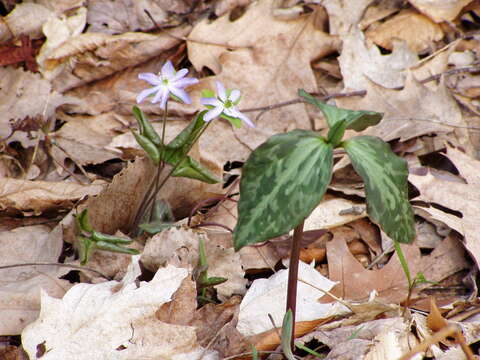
267	59
39	196
413	111
439	11
464	198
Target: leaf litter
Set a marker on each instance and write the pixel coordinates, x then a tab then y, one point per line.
66	147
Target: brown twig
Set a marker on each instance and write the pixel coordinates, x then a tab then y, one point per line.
57	264
183	38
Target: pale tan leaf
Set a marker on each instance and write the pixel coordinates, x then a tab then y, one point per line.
91	56
20	287
39	196
24	94
84	138
464	198
438	11
416	110
26	19
268	296
267	59
417	30
113	320
119	16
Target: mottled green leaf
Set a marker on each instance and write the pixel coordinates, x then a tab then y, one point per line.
356	120
385	176
283	180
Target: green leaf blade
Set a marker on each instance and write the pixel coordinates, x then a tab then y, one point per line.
385	176
357	120
283	180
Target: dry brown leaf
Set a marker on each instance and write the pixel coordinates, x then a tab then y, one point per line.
25	19
215	324
267	59
356	283
344	16
119	16
181	310
83	139
180	248
464	198
32	97
20	287
361	63
116	207
417	30
113	320
361	341
411	112
92	56
39	196
438	11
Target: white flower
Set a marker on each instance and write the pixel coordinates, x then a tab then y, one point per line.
166	82
224	104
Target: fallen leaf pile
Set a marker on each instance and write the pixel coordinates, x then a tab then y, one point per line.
68	82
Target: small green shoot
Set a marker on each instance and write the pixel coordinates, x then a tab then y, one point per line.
90	239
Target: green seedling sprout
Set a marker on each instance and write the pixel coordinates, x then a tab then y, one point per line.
286	177
204	282
90	239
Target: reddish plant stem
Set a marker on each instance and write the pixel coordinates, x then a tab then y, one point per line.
293	276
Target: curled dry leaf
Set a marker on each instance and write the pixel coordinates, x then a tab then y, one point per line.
361	63
268	296
112	52
25	19
39	196
33	97
413	111
83	139
119	16
417	30
464	198
439	11
179	246
20	287
113	320
116	207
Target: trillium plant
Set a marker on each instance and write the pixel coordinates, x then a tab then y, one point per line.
286	177
171	159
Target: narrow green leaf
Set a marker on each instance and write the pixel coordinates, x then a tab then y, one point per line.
283	180
385	176
185	139
287	328
356	120
190	168
336	132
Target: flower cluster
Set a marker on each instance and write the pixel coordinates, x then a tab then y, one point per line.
172	83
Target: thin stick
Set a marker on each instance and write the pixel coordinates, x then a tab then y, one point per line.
293	276
56	264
